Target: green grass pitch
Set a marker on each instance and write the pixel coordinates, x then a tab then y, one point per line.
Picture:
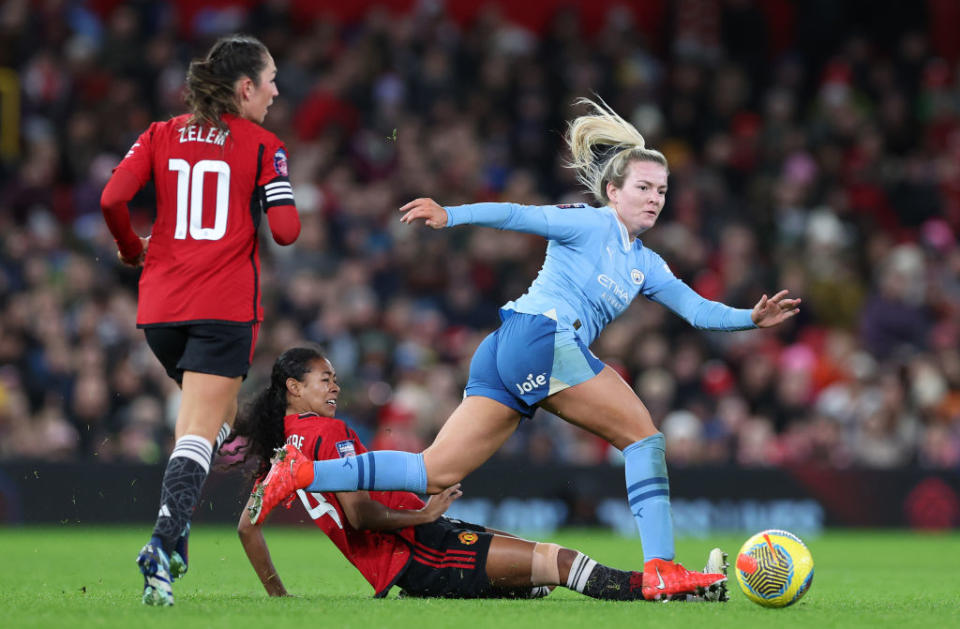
76	577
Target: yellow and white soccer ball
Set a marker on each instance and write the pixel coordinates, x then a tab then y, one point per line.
774	568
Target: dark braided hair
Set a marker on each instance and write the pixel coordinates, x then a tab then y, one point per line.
261	420
210	81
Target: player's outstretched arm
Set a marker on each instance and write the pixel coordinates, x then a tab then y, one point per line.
254	544
366	514
775	310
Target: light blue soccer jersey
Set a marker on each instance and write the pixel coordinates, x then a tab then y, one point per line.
593	270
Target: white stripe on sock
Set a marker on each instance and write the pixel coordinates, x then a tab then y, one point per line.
222	435
580	571
195	448
540	591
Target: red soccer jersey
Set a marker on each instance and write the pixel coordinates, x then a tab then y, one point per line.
212	187
378	555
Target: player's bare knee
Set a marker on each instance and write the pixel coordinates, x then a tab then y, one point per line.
545	569
631	432
440	473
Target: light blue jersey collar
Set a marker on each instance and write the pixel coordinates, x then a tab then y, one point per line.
624	234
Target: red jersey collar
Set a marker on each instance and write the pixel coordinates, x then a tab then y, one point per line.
307	415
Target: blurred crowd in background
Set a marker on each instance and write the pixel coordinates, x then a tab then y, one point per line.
813	146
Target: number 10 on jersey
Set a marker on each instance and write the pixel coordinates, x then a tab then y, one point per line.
190	198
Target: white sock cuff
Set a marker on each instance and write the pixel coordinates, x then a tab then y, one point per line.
195	448
580	570
222	435
540	591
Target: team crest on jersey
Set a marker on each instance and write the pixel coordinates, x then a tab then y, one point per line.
568	206
637	276
468	538
345	448
280	163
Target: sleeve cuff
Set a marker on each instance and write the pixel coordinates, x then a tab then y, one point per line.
743	320
457	215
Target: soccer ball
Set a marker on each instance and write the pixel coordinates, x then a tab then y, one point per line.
774	568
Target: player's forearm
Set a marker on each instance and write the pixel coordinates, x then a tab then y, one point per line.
255	546
702	313
284	224
113	203
509	216
373	516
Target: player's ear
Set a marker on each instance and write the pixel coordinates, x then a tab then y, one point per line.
612	192
244	88
294	386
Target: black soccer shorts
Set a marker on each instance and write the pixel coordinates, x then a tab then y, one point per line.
449	560
221	349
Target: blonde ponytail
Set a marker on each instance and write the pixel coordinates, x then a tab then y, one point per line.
623	145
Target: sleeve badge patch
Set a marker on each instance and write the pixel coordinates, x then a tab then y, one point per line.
280	163
569	206
345	448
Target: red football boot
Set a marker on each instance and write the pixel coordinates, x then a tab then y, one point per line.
663	580
289	472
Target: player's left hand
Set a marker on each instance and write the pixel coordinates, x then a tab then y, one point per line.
429	210
775	310
138	261
438	504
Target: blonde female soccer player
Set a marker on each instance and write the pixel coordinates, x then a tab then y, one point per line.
595	266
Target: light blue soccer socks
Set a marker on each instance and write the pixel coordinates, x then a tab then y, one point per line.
380	470
648	491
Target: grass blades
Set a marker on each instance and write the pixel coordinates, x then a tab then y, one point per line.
86	577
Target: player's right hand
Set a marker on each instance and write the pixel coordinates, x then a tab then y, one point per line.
429	210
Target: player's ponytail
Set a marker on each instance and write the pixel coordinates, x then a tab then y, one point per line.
260	421
602	146
210	83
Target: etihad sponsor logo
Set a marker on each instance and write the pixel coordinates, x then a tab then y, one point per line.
611	285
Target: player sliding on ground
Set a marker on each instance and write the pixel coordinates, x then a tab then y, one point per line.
595	266
393	538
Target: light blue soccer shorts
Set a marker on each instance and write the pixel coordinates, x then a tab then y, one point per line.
528	359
